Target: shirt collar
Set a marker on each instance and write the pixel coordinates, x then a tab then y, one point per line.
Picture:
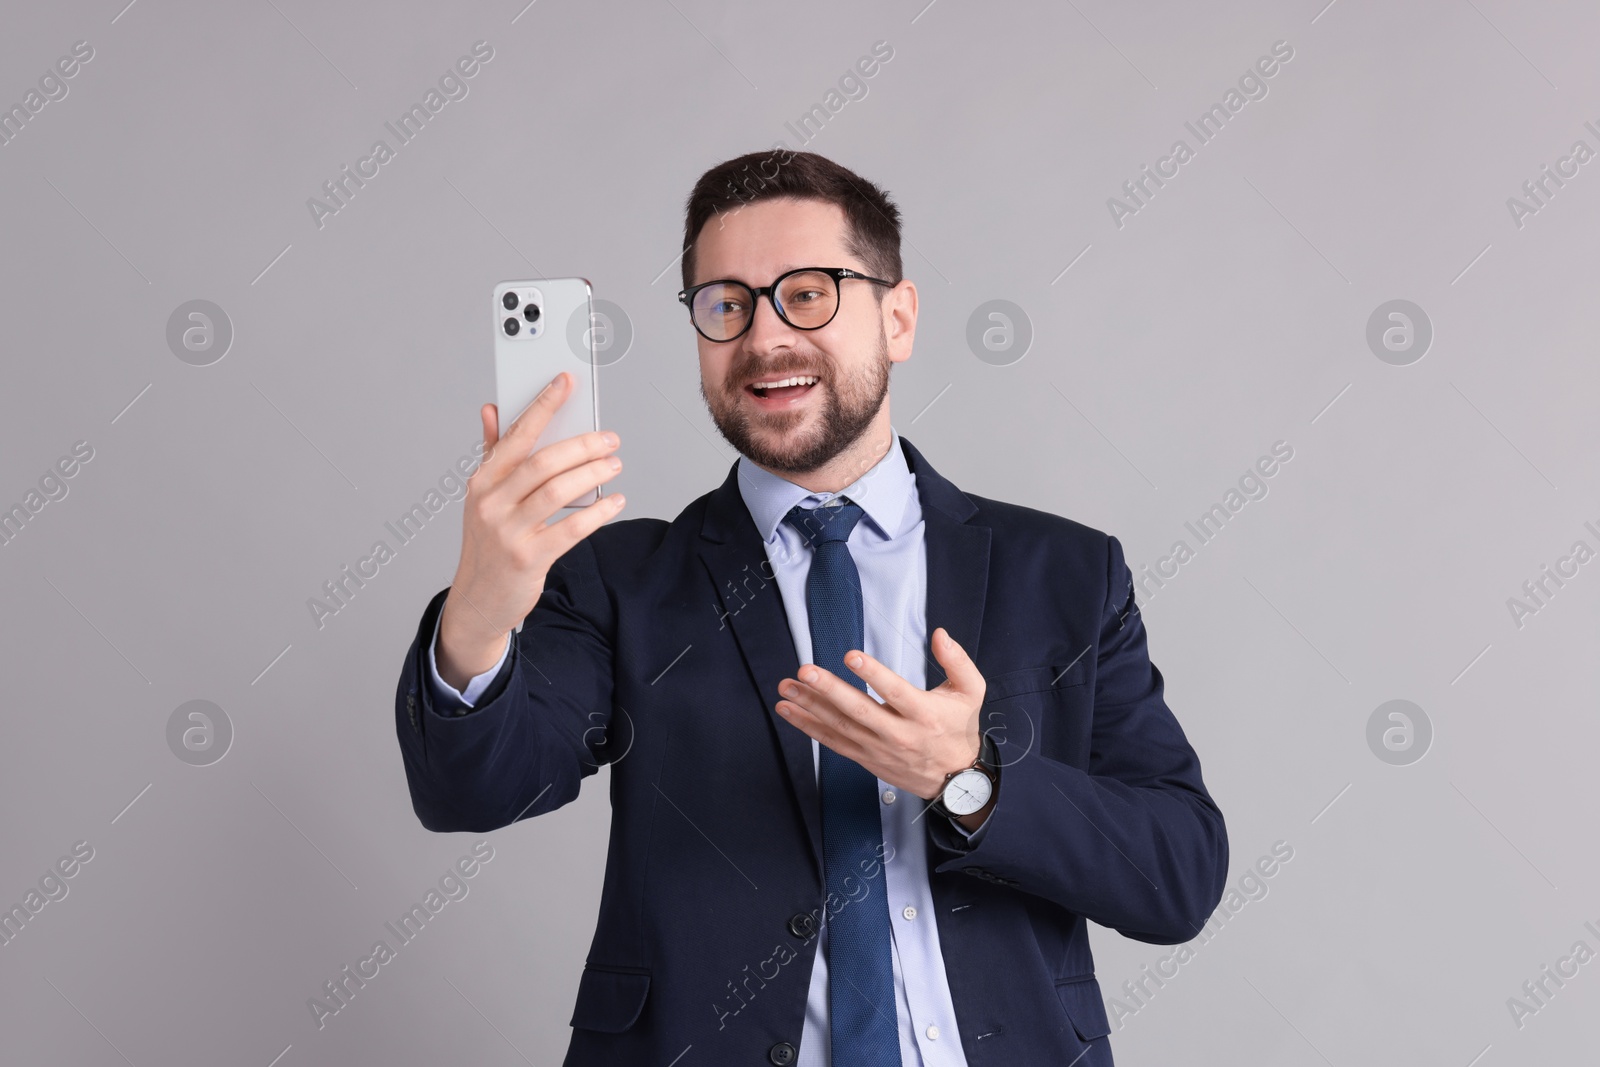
882	493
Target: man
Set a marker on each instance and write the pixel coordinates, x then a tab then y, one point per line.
878	747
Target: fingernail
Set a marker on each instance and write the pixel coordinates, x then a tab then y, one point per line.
610	439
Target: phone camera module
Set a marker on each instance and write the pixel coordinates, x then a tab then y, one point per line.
510	301
512	326
531	312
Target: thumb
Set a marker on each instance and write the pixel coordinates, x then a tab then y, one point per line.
489	415
962	674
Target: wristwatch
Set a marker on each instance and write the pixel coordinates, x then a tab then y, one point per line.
969	789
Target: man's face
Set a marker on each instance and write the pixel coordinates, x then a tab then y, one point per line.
850	357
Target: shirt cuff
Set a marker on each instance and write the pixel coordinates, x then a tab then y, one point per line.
447	692
973	837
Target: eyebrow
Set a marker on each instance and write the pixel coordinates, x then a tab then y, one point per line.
783	268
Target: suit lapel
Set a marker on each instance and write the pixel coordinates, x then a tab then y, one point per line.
752	606
958	561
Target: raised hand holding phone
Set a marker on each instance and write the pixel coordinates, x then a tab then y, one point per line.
542	327
508	542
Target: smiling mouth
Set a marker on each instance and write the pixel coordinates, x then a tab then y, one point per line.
786	388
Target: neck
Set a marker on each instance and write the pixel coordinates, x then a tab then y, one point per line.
848	466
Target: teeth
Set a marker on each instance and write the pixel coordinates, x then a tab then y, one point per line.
804	379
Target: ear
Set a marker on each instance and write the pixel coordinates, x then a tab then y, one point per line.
900	320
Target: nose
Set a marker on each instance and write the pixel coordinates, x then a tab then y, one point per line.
767	328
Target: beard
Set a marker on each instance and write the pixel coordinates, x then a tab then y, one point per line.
847	409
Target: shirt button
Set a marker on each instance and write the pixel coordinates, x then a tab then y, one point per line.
910	912
888	796
933	1033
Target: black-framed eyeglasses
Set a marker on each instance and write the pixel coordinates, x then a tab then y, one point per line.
806	298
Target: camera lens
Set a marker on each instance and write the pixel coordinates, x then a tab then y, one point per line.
510	301
531	312
512	326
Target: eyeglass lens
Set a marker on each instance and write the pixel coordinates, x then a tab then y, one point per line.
806	301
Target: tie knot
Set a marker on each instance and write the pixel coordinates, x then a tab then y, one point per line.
827	523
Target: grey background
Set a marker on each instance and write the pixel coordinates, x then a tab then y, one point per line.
1229	313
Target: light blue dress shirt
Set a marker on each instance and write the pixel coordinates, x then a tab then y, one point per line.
891	555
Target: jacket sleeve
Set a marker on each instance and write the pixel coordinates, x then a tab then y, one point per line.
541	726
1133	842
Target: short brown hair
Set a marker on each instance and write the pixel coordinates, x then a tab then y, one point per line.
873	219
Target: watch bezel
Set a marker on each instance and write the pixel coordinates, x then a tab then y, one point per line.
986	765
965	791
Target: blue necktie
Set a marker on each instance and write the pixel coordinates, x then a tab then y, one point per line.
860	970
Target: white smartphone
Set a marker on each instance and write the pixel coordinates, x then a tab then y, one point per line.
541	328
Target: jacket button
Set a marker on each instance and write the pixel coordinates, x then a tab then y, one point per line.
802	925
782	1053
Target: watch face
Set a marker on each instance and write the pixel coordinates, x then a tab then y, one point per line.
967	792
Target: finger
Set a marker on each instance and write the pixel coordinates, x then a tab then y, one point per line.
833	698
518	439
961	673
490	415
823	732
898	695
583	522
555	458
535	510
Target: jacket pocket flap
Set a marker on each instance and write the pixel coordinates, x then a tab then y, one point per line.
1035	680
609	1001
1084	1006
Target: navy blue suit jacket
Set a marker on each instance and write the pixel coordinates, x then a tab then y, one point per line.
657	648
